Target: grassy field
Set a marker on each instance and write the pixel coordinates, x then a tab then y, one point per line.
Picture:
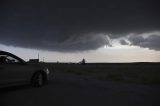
145	73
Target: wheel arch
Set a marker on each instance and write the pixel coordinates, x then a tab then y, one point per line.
39	71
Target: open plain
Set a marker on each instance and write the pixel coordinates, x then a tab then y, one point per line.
135	84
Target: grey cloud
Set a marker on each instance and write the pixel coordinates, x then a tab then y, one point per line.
70	44
73	25
151	42
79	43
123	42
136	39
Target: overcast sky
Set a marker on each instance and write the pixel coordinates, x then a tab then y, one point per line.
91	29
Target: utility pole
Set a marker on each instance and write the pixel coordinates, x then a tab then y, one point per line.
43	59
38	56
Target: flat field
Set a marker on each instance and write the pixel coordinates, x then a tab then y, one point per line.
136	84
143	73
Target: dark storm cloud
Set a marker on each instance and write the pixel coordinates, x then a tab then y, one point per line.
151	42
73	25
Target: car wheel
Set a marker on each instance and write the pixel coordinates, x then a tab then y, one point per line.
38	80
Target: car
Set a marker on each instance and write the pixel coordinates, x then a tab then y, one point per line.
14	70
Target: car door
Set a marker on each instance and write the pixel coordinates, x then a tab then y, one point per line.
13	71
3	75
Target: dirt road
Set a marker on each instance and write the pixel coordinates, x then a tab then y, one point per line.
67	90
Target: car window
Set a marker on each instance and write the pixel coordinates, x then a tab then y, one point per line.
5	59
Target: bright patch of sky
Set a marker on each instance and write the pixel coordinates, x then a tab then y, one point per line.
116	53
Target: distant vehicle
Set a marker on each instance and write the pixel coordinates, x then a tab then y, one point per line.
14	70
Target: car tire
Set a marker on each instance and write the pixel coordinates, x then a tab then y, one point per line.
38	79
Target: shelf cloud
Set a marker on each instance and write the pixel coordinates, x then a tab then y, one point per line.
77	25
150	40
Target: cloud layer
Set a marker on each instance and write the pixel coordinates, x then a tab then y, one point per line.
151	42
74	25
145	40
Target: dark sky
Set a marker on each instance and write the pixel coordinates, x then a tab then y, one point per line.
74	25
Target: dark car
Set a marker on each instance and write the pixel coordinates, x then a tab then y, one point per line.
14	70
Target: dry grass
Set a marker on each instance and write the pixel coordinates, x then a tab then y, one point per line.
146	73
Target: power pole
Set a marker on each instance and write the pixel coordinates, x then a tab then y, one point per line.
43	59
38	56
